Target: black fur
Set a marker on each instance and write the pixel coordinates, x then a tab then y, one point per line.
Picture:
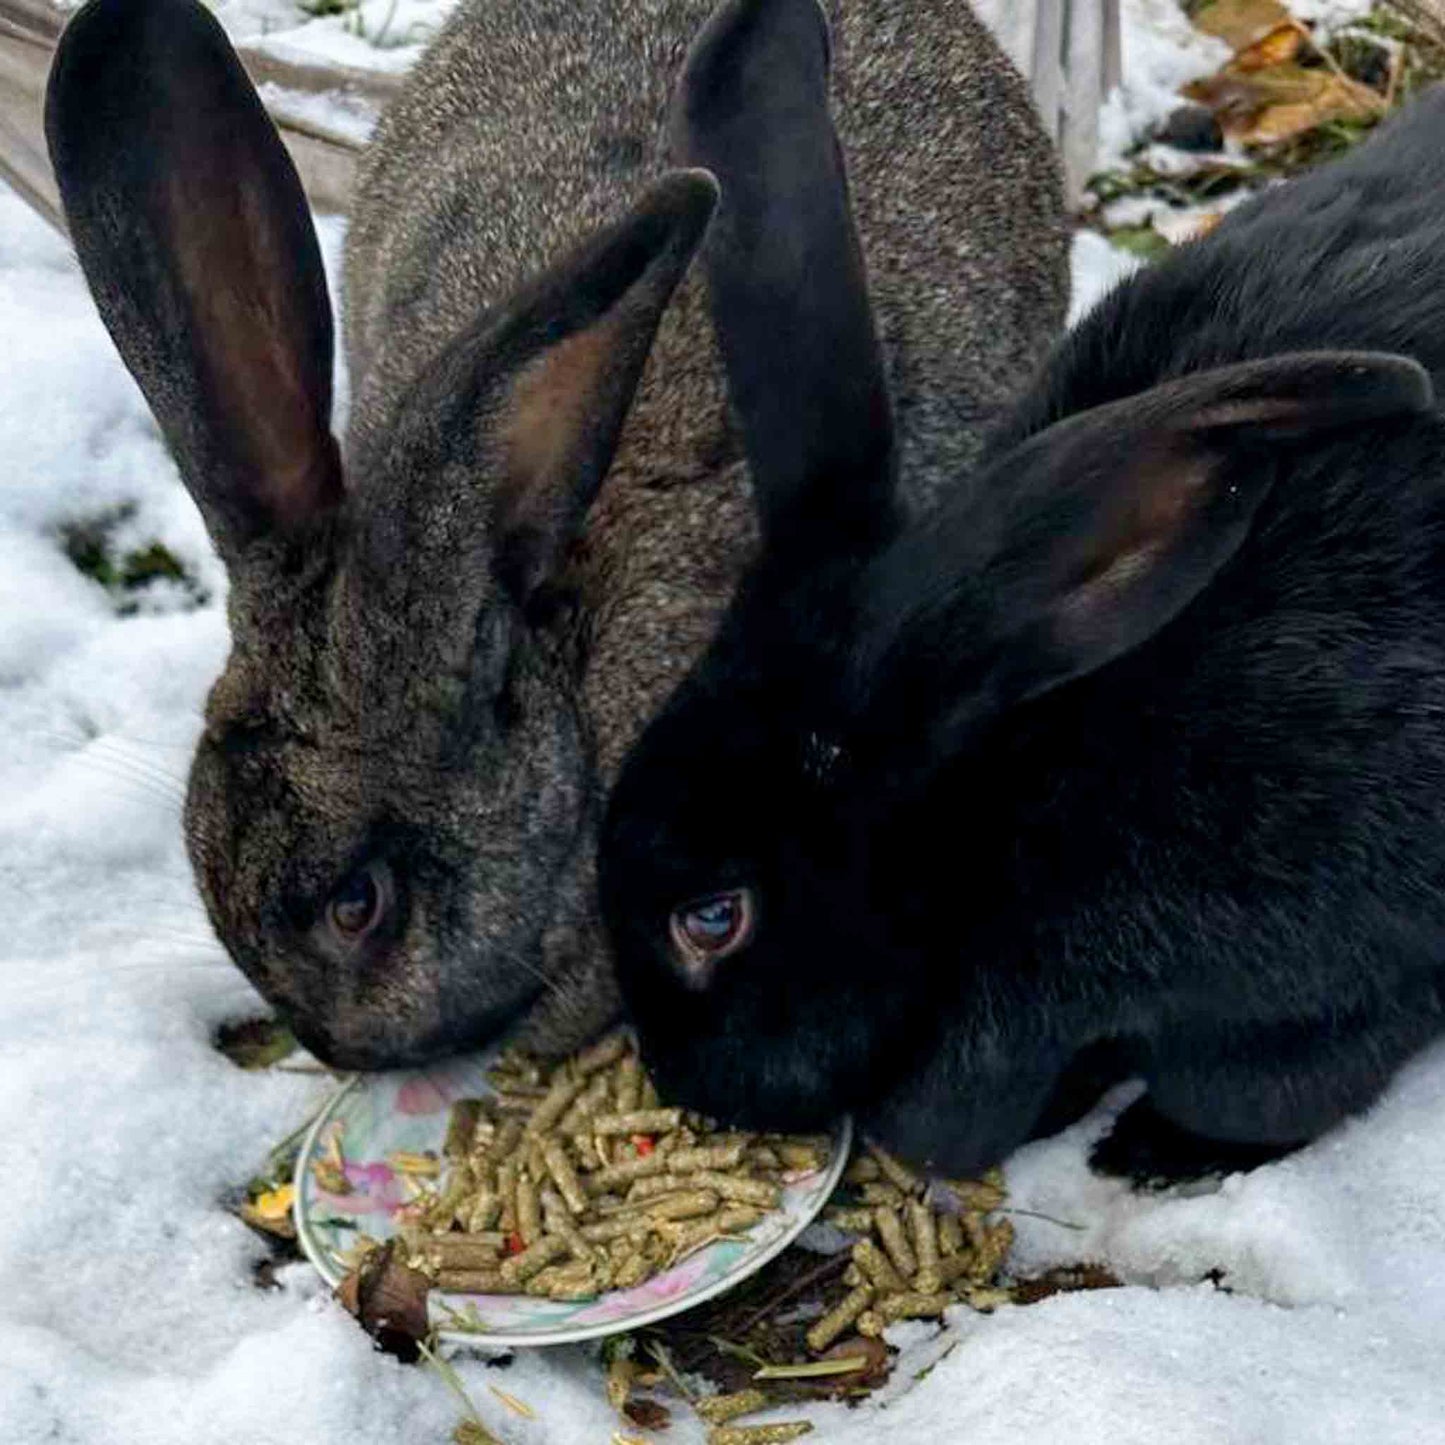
1137	748
785	266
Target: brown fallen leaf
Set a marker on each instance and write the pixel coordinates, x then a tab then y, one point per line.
873	1374
1180	229
1337	99
648	1414
1279	47
1068	1279
389	1300
1242	23
1268	106
270	1212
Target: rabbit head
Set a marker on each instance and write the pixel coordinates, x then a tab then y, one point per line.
794	865
392	788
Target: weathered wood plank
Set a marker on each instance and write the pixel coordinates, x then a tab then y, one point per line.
1075	61
29	31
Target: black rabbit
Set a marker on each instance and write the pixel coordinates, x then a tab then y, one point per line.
1129	759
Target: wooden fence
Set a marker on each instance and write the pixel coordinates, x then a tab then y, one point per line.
1071	49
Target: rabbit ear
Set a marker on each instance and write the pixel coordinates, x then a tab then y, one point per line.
785	270
1118	518
570	351
534	397
194	234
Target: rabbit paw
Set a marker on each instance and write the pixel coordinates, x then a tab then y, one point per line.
1152	1153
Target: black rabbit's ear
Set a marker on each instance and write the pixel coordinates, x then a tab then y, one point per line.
788	287
567	357
1118	518
194	234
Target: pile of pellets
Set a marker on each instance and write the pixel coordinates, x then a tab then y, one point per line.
919	1249
574	1180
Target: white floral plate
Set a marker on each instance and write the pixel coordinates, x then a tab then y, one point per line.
377	1115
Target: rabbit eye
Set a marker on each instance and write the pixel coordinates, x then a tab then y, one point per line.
360	902
711	929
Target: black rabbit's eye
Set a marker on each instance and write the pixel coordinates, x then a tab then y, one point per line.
360	902
712	928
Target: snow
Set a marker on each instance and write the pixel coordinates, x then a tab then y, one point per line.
1162	54
127	1308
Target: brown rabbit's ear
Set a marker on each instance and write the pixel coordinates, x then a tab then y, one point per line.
564	363
194	234
1117	520
788	286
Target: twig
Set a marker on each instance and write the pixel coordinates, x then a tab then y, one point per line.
660	1353
453	1382
1048	1218
815	1370
834	1264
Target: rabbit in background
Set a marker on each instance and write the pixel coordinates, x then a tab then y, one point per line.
1128	758
447	631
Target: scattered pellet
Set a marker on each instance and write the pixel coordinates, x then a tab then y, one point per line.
844	1313
861	1170
881	1192
759	1434
472	1281
719	1409
855	1220
529	1209
890	1231
688	1205
950	1233
602	1055
877	1267
894	1170
710	1156
559	1166
733	1186
924	1235
462	1128
909	1305
521	1267
638	1121
563	1089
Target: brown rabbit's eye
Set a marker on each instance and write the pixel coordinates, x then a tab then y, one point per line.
711	928
360	902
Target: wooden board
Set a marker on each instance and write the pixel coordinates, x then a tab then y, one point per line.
1075	62
325	158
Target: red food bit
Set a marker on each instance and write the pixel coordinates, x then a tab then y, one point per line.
644	1144
515	1243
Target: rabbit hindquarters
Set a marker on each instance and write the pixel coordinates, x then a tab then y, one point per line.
1224	1099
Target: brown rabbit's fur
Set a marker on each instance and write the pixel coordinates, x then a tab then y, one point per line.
396	698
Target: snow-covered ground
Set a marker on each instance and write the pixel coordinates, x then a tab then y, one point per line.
128	1315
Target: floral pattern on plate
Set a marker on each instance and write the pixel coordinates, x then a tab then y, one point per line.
378	1115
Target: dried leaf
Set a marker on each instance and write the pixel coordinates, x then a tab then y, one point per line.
471	1433
648	1414
1068	1279
1177	228
1337	99
1242	23
1279	47
874	1373
389	1300
1269	106
270	1212
255	1043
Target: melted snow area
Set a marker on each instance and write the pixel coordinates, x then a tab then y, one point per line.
127	1308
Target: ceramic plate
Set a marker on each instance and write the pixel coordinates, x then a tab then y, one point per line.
377	1115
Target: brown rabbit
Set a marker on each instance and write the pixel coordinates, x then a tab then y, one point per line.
447	634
